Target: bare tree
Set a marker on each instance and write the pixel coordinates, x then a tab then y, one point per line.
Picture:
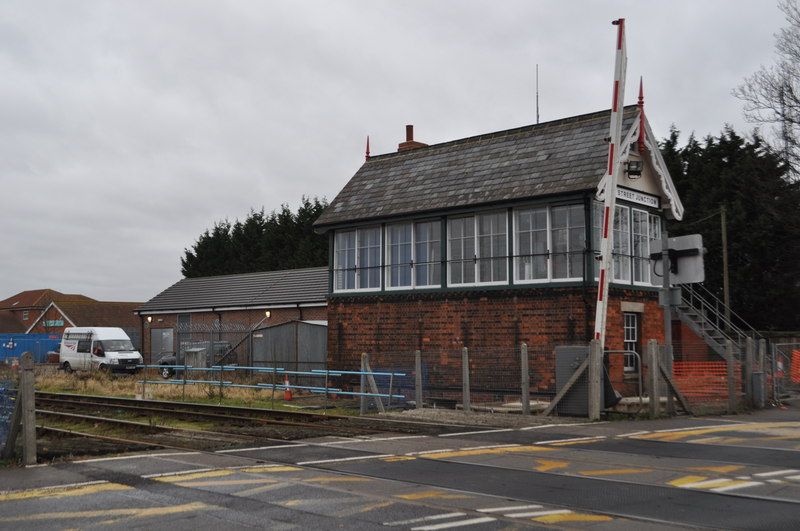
772	94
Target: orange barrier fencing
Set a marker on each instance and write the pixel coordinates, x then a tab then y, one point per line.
705	380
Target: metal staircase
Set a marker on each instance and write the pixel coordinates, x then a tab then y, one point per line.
706	315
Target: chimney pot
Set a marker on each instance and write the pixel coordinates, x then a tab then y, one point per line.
410	143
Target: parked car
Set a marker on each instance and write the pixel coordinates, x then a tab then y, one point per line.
103	348
197	351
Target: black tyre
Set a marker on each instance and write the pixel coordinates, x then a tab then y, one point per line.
166	373
67	367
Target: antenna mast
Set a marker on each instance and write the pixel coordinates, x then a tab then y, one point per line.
613	170
537	93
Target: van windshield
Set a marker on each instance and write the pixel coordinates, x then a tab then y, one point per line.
117	345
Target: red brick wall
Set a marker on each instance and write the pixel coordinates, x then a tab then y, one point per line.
244	317
52	314
688	346
491	323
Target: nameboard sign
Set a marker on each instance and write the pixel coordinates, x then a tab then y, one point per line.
640	198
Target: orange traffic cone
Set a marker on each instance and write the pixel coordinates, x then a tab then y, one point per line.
287	392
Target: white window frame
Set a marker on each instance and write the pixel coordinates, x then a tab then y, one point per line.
615	278
630	362
551	253
550	278
476	250
646	257
358	268
388	264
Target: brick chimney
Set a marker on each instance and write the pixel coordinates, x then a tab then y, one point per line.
410	143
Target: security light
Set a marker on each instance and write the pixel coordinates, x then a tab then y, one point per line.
634	169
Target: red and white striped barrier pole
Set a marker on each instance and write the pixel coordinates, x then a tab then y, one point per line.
613	169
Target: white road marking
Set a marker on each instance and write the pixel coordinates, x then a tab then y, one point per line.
793	478
633	433
776	481
576	439
742	477
138	456
488	446
377	439
526	428
425	519
460	523
538	513
341	459
776	473
475	432
234	450
738	486
512	508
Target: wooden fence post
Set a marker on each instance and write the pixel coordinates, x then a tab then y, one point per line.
652	378
594	373
26	390
465	401
418	378
525	379
729	358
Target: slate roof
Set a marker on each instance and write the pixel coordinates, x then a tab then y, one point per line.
268	288
567	155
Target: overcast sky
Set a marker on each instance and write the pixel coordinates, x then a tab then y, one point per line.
128	128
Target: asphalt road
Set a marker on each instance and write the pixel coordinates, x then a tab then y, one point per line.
722	473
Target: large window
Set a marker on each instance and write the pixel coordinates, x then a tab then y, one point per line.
634	230
413	255
622	244
550	243
569	241
530	240
478	249
357	259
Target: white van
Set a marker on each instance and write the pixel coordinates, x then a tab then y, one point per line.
91	348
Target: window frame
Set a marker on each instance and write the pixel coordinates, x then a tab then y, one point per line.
357	265
637	346
475	216
549	210
414	273
515	226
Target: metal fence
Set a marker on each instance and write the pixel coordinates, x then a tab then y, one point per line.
13	345
784	370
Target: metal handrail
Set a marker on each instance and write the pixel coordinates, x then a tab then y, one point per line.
710	312
719	302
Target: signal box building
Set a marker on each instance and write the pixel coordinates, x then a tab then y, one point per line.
490	241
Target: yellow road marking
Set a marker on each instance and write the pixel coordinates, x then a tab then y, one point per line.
142	512
615	471
259	469
754	427
546	465
259	490
721	469
570	443
685	480
572	517
486	451
180	478
722	482
335	479
399	458
61	492
223	482
429	494
292	503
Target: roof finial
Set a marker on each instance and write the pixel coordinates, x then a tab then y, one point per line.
641	115
367	155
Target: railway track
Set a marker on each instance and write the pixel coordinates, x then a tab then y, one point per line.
122	424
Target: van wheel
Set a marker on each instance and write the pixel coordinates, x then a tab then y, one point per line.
104	368
67	368
166	373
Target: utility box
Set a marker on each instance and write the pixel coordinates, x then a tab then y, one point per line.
576	401
195	357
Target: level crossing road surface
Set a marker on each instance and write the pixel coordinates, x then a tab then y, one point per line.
740	472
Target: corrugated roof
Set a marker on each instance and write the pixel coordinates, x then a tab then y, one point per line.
561	156
268	288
